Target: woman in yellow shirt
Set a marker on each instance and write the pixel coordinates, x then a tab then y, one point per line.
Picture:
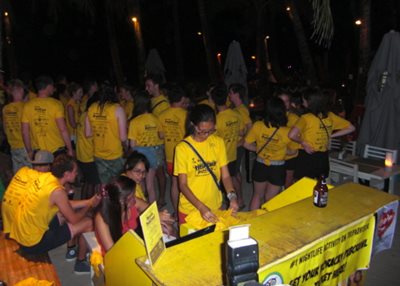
313	131
199	190
269	139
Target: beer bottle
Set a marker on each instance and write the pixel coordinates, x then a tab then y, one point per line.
321	193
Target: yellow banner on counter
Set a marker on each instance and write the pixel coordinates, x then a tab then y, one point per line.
327	261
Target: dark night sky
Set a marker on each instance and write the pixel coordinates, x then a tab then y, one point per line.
77	47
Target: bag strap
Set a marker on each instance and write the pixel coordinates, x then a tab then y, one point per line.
268	140
205	164
326	129
158	103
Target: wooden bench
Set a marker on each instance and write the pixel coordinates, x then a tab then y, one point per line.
15	266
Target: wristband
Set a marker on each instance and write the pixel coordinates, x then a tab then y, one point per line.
231	196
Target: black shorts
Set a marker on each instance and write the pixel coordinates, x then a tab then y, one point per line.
273	174
311	165
232	168
55	236
290	164
89	172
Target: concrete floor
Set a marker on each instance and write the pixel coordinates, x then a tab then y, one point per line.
384	268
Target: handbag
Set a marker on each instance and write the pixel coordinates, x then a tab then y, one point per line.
205	164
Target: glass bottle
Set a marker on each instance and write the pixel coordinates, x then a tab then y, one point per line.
321	193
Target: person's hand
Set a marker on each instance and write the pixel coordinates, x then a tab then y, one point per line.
234	205
307	147
71	152
207	214
166	217
95	200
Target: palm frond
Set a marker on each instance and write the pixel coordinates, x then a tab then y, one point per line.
322	23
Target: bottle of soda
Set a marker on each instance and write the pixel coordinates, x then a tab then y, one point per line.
321	193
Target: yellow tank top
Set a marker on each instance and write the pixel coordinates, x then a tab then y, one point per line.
105	130
34	214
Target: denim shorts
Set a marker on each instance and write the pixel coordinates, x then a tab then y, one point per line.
109	169
154	154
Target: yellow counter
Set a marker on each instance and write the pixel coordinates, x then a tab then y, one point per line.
279	233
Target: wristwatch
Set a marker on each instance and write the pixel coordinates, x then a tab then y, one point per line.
231	196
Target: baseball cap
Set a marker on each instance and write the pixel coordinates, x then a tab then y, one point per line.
42	157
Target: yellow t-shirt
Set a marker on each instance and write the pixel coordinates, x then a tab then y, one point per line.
313	131
31	95
82	104
41	114
139	193
173	124
15	191
128	106
159	104
144	130
199	180
76	108
229	125
292	119
276	148
33	214
12	114
244	113
84	145
105	129
65	99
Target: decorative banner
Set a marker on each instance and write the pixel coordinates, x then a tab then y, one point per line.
385	225
152	233
326	261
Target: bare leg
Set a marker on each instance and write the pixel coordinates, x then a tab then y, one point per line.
151	192
174	194
238	190
80	227
258	195
161	185
289	178
272	191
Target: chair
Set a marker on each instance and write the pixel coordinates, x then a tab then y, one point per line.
341	171
338	145
378	152
375	152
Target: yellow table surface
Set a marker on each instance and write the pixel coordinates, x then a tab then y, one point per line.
279	233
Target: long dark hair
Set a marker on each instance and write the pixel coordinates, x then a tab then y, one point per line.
142	103
107	94
134	159
199	113
114	204
317	102
275	113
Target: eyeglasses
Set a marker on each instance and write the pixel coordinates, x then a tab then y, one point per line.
139	172
204	132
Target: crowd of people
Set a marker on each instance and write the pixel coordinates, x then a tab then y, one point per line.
122	144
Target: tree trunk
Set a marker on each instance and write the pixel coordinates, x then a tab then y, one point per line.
214	70
112	41
364	50
177	42
1	35
304	49
9	46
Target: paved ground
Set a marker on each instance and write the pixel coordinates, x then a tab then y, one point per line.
384	268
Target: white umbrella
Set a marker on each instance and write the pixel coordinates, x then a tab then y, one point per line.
235	70
154	64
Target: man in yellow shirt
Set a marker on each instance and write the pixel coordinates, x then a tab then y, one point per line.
17	187
173	122
12	114
230	128
46	219
159	102
43	121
